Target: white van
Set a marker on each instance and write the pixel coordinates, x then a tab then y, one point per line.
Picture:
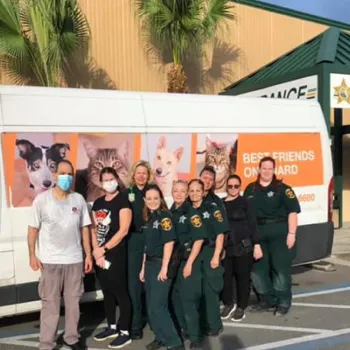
178	134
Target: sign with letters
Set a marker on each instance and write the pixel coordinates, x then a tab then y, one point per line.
304	88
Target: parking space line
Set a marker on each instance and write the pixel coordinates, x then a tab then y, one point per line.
276	328
31	344
20	337
298	340
322	291
329	306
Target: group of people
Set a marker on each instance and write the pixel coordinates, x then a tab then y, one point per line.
184	260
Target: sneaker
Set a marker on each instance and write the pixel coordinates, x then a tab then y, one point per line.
281	311
263	306
195	345
75	346
120	342
227	311
155	345
238	315
107	333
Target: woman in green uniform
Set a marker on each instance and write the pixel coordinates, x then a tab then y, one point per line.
160	237
212	270
276	210
208	176
187	289
140	176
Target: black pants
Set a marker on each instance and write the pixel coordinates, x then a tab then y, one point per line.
115	288
237	280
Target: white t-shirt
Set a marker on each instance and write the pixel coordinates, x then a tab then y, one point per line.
59	223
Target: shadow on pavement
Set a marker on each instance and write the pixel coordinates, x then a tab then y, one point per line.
227	342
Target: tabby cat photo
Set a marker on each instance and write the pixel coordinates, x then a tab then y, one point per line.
222	156
88	179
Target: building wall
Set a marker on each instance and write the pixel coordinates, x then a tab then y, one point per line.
255	38
252	40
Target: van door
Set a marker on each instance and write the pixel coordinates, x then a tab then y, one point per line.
7	275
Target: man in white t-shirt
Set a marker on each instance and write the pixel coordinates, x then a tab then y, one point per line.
60	226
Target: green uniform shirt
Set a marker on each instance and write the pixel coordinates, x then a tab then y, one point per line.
135	196
211	197
213	219
158	231
275	201
214	199
189	225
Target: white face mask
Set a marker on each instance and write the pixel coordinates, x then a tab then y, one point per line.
110	186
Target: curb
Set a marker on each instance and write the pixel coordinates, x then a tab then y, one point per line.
325	265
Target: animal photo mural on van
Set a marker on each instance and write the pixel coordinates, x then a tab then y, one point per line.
220	152
35	163
169	156
96	151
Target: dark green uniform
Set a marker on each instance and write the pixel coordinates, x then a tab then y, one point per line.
186	295
136	245
159	231
272	275
213	280
211	197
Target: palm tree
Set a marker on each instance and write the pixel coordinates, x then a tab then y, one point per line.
181	27
42	41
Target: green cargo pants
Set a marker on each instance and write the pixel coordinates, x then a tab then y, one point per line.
135	257
272	275
213	283
186	298
157	299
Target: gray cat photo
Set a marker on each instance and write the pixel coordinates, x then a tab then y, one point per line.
88	179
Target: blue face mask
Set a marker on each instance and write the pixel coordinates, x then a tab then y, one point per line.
64	182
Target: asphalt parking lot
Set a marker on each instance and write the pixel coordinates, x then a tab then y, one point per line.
319	319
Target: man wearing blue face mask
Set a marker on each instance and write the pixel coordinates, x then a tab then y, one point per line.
60	225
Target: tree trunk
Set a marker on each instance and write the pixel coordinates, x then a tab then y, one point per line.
177	79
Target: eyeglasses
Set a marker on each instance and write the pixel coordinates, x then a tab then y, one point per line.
230	187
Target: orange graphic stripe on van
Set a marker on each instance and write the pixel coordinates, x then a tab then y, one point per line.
137	147
9	152
193	168
298	157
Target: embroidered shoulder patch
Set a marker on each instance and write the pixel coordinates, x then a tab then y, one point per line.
166	224
290	193
218	216
196	221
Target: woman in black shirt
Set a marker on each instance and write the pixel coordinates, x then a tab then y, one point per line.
241	250
112	217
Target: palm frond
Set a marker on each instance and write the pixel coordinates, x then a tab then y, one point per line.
181	26
39	38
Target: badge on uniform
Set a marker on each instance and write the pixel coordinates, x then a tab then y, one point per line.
270	194
218	216
290	193
196	221
131	197
182	219
166	224
206	215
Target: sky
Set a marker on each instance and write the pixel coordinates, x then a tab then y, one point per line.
336	10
